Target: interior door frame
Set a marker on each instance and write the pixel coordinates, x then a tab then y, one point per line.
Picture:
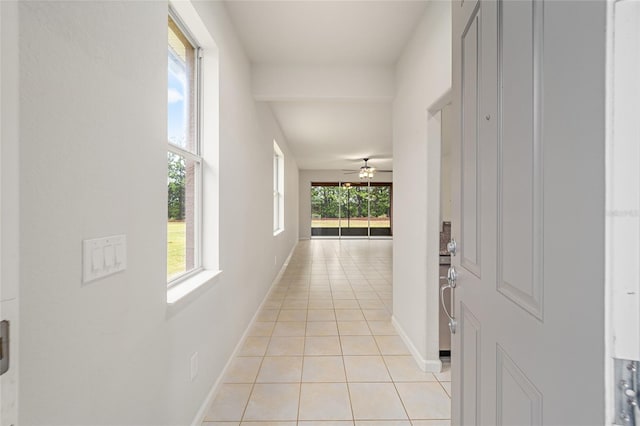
434	218
622	244
9	201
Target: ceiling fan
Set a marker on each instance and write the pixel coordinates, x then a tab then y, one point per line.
366	171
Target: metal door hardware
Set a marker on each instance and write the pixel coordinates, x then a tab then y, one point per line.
452	276
4	347
627	377
452	247
452	320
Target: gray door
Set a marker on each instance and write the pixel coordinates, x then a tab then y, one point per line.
528	207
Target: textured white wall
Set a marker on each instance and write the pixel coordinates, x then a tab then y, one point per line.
308	176
93	163
423	76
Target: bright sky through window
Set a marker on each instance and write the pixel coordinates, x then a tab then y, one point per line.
177	129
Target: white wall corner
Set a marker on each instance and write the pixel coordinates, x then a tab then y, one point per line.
426	365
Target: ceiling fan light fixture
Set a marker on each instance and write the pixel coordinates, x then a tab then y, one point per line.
366	171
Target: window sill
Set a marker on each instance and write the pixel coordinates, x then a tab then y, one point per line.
278	232
183	293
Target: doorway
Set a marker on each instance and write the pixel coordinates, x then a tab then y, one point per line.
351	209
443	120
439	221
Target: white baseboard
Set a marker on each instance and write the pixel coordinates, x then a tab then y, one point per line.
202	412
426	365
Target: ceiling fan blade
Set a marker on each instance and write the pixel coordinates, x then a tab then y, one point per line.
384	171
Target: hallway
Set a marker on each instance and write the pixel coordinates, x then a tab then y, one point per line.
323	350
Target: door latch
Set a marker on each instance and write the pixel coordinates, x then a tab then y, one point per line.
4	347
626	392
452	247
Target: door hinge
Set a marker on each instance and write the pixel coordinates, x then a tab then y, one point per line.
4	347
626	377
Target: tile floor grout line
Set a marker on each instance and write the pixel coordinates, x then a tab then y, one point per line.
304	344
255	380
344	367
298	285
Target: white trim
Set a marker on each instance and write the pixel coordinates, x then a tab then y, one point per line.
208	225
181	293
193	154
187	13
175	149
278	190
609	386
426	365
441	102
202	412
622	219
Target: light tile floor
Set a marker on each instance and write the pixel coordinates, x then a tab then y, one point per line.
323	351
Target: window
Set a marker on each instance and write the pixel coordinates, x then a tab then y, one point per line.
350	209
278	189
184	161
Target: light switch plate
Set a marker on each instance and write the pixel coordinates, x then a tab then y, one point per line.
103	256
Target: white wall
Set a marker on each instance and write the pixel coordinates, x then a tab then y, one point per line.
286	240
308	176
423	76
93	163
445	165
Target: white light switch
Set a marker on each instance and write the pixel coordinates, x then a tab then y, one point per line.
109	256
97	260
103	256
120	254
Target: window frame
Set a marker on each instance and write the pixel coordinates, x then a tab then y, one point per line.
197	118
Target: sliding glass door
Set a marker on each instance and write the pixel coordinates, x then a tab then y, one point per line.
325	210
355	210
351	209
380	203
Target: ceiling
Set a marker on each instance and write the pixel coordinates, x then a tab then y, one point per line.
325	135
329	131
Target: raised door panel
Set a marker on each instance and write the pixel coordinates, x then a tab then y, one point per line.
518	400
520	154
470	170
